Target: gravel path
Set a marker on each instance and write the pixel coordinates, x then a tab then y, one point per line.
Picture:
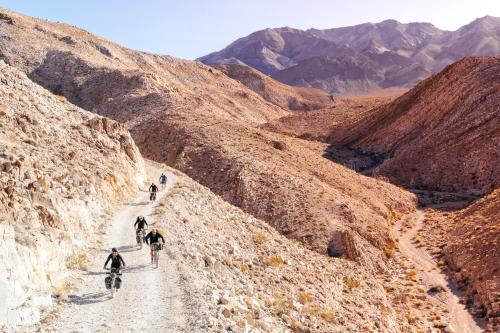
150	299
460	319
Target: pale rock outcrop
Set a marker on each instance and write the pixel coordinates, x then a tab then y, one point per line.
61	170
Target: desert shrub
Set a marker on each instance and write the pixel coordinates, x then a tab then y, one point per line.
351	283
61	98
260	238
273	261
389	249
305	297
328	316
411	275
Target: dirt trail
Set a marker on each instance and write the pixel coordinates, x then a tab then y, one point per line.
460	319
150	299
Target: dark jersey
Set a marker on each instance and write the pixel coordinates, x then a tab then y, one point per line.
153	188
150	238
116	262
140	224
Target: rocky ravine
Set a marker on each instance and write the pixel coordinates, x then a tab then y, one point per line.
442	135
62	169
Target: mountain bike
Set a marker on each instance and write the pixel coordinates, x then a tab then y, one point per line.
113	281
155	249
152	197
139	237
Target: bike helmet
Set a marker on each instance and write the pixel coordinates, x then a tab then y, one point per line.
114	249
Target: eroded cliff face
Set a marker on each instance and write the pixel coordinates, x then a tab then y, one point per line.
61	170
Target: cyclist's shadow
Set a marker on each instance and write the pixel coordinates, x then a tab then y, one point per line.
90	298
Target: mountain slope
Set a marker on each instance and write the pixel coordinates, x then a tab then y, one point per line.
202	122
381	55
287	97
62	169
444	134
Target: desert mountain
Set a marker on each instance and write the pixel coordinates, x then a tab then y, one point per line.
360	58
62	169
237	272
202	122
444	134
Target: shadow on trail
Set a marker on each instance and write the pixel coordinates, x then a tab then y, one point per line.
127	248
138	268
143	203
91	298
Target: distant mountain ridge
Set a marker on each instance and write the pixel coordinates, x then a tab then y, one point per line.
359	58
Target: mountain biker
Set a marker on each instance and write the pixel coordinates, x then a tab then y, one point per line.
163	179
153	237
153	188
140	223
116	260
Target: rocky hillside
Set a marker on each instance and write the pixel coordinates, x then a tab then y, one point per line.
247	277
360	58
202	122
468	242
287	97
444	134
61	169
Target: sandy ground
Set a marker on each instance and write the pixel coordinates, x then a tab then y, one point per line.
431	276
150	299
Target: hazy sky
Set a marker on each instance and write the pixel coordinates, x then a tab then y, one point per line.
190	29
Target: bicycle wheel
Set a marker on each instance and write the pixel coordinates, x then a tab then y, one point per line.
157	255
112	290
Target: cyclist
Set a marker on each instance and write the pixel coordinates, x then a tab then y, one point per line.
163	179
153	189
153	239
140	225
117	262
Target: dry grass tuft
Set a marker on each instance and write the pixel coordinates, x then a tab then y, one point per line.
411	275
351	283
260	238
305	297
273	261
328	316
